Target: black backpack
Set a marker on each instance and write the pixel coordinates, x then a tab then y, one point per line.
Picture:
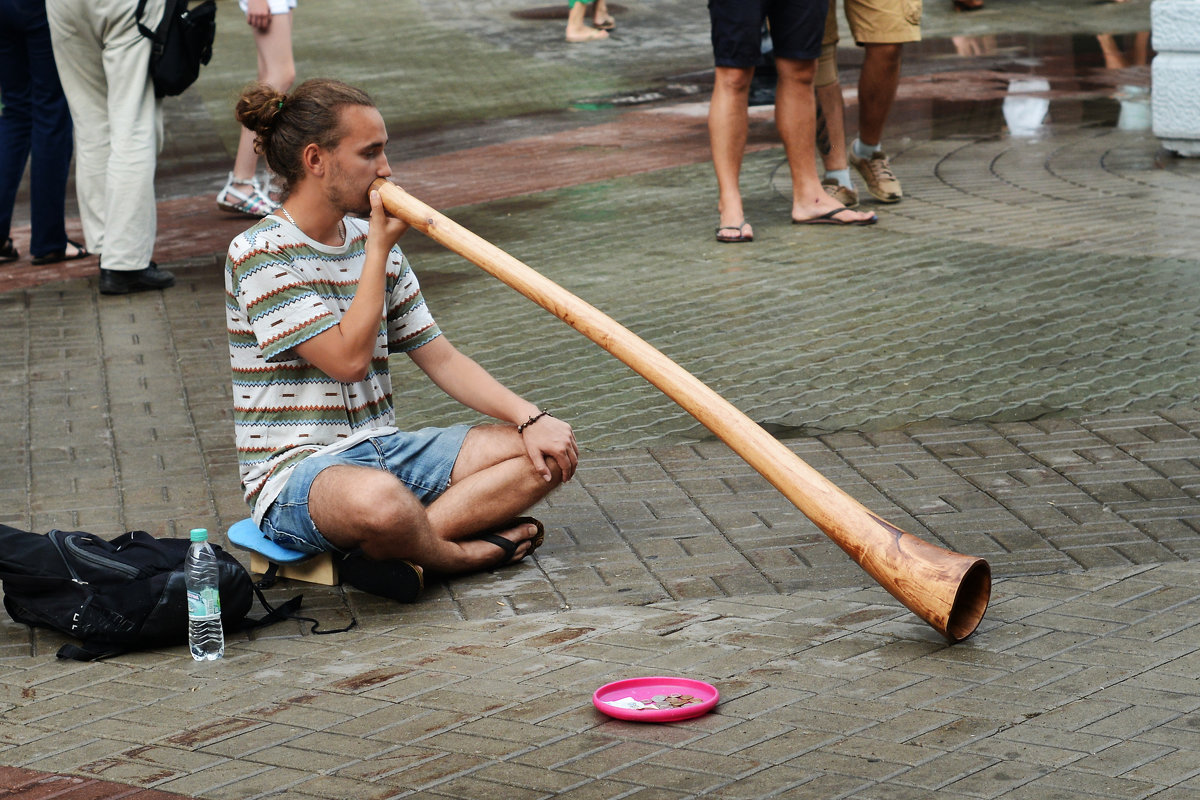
181	43
116	596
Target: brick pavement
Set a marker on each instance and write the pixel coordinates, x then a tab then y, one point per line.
999	366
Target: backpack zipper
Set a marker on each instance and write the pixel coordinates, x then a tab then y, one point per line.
54	540
83	553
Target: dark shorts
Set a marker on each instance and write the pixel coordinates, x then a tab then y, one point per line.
796	29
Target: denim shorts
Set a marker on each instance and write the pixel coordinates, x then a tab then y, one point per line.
796	29
422	460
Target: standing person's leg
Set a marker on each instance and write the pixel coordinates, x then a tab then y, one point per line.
75	35
135	121
797	29
601	19
51	148
16	117
881	27
737	48
831	142
795	116
837	181
577	29
276	68
728	126
877	84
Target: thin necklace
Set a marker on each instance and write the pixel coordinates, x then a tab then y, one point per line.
341	225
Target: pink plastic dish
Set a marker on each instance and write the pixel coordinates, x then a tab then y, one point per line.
644	689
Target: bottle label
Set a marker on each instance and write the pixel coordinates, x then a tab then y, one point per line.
204	604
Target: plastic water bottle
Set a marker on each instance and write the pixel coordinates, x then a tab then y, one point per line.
206	637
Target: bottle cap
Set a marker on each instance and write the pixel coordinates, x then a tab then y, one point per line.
199	534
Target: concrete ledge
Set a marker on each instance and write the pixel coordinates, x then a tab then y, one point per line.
1175	28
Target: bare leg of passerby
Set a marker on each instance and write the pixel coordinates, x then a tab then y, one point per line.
877	86
728	127
832	145
795	117
577	29
276	68
601	18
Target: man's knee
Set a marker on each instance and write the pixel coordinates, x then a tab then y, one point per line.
883	55
733	79
796	71
353	508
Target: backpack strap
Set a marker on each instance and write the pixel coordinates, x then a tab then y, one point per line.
89	652
288	611
168	10
141	9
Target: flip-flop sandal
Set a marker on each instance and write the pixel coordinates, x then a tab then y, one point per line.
609	24
830	218
738	238
510	547
395	579
61	255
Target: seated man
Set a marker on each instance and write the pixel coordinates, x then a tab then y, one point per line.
317	298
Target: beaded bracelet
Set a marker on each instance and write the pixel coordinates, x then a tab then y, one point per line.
521	428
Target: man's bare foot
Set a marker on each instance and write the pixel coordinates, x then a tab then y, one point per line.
526	535
585	35
605	23
826	208
730	234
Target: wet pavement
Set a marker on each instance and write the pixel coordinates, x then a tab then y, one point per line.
1006	365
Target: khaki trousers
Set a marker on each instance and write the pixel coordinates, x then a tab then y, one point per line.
103	64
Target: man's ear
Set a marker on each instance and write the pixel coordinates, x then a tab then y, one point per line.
313	159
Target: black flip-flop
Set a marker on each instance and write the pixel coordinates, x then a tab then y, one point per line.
830	218
61	255
738	239
395	579
510	547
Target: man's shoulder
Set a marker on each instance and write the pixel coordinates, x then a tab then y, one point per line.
264	233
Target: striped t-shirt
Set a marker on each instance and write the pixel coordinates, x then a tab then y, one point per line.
281	289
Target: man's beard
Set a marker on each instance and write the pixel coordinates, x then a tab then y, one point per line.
348	200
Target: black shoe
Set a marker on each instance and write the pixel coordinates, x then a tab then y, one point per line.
398	580
8	252
114	281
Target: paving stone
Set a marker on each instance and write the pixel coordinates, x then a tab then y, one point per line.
995	367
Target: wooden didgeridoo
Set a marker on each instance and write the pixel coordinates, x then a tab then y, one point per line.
948	590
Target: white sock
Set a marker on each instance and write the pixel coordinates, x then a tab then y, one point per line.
842	176
865	150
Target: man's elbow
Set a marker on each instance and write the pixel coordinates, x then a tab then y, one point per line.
350	371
